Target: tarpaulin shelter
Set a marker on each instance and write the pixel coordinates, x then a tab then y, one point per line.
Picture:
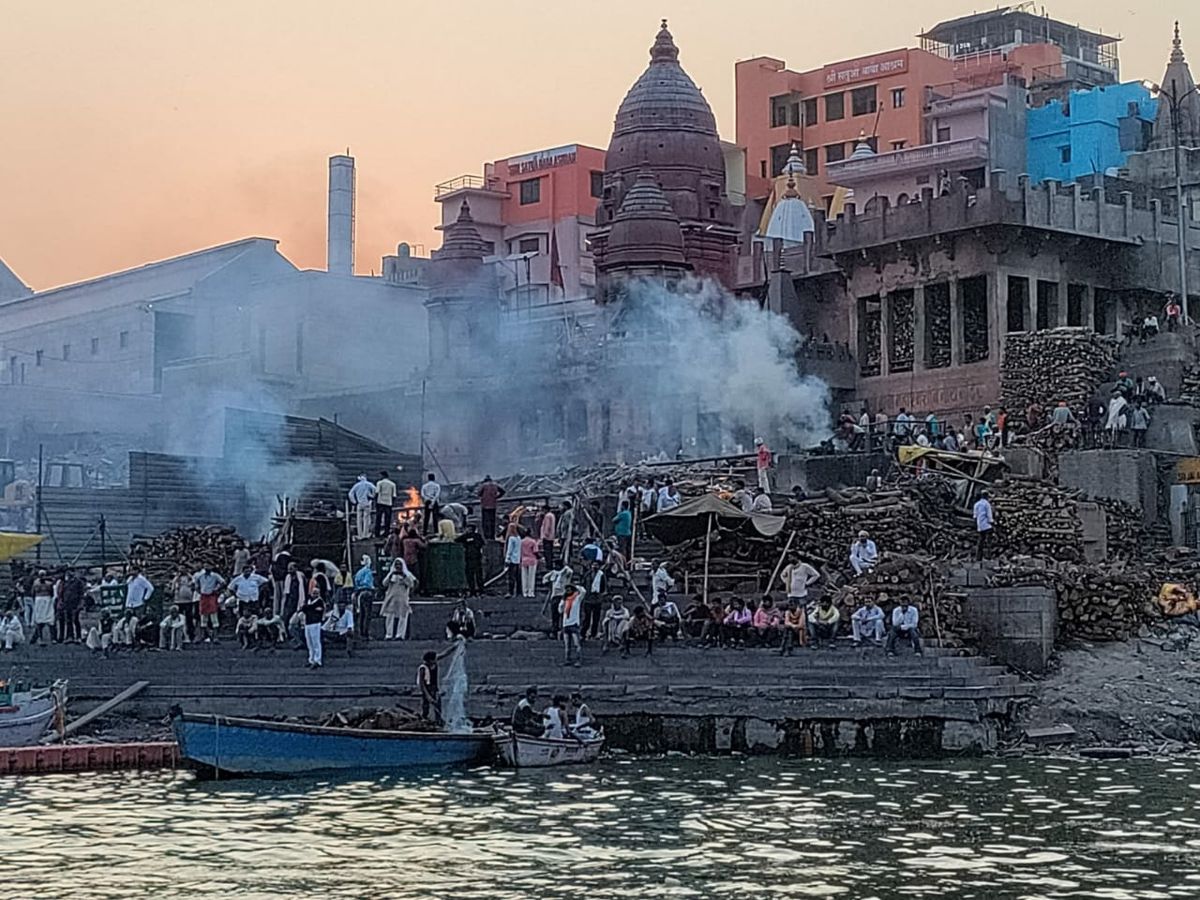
15	543
692	519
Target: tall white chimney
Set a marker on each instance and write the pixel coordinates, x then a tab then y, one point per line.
339	258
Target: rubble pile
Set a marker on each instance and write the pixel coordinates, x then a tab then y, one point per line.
193	546
1044	367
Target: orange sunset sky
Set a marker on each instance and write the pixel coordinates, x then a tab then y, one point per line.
139	129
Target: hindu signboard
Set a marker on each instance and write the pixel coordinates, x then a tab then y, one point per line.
543	159
866	68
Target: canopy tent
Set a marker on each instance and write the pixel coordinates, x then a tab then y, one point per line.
693	519
14	543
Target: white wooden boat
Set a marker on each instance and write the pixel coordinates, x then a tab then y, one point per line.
26	715
525	752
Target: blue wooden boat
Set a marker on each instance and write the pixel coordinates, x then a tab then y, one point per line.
233	746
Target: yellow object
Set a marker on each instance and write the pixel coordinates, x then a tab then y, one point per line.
1187	471
14	544
1176	600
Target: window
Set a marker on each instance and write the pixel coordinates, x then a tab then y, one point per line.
37	358
12	370
528	245
597	184
784	111
898	145
835	152
489	248
531	191
762	168
779	158
943	134
1064	154
862	101
810	161
66	352
124	339
95	346
897	98
835	107
810	111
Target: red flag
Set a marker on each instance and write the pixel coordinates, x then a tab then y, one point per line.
556	276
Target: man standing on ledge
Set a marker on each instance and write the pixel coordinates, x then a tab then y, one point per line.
763	462
360	498
983	526
385	497
431	493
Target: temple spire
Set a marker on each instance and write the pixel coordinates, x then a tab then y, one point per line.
1176	46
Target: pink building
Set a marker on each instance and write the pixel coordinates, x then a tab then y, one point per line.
534	213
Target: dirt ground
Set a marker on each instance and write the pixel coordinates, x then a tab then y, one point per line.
1143	692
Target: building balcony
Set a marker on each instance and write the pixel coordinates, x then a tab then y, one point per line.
956	155
465	183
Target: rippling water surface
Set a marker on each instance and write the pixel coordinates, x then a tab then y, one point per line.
628	828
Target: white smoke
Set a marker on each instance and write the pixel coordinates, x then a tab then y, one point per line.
718	357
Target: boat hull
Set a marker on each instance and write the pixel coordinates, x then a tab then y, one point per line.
27	727
526	752
254	747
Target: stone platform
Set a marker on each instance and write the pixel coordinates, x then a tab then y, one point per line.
838	699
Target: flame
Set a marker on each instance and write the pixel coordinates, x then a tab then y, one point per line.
410	510
414	500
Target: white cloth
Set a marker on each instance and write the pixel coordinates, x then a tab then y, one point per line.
662	582
11	631
905	618
43	610
364	521
431	492
1116	413
570	615
312	639
558	579
983	515
246	587
761	503
529	581
863	556
555	727
137	591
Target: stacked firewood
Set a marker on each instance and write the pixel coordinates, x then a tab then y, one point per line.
1189	391
162	555
1037	519
375	719
1045	367
1123	529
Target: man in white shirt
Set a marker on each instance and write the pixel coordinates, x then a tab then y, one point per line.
431	494
668	496
661	583
743	496
246	587
983	525
798	576
867	621
904	628
360	498
385	498
569	608
512	562
863	554
137	590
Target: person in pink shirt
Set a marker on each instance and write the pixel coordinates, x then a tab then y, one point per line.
763	460
766	622
737	624
529	564
547	533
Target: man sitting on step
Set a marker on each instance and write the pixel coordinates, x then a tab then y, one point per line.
867	622
905	620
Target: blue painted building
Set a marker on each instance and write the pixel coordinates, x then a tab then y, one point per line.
1094	131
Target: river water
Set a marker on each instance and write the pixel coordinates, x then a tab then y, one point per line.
671	828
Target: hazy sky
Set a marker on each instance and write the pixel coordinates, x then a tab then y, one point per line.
135	130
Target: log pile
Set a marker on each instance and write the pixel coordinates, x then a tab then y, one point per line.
394	719
1189	391
1037	519
162	555
1045	367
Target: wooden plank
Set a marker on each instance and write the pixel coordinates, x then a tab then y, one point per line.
132	691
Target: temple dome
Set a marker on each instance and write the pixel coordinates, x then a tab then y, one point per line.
646	229
460	258
664	118
791	219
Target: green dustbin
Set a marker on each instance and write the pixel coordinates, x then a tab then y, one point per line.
445	568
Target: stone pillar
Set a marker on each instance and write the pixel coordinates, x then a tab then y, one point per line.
956	325
1088	302
919	327
1063	295
885	332
1031	303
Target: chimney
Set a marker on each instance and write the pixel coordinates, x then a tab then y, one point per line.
340	253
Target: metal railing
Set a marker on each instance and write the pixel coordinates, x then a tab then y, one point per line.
924	155
462	182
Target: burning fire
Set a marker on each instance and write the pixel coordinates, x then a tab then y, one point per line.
410	509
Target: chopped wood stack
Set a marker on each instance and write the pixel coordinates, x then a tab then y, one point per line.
1045	367
1037	519
397	719
1189	390
192	546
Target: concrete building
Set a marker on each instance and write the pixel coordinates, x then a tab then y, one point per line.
1090	132
150	352
533	213
976	132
